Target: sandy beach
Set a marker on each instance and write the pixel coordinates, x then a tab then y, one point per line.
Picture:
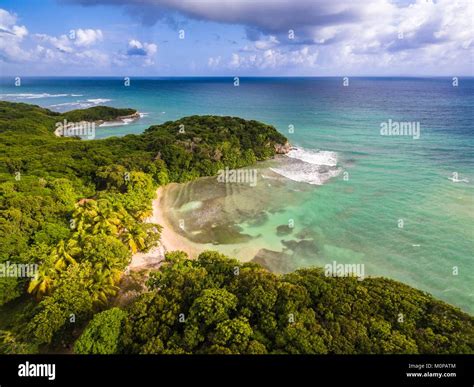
169	241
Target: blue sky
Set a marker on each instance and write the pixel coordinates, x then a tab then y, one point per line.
236	37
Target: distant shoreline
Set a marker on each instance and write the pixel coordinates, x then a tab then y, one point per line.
118	121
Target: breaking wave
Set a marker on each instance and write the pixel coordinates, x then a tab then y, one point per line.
309	166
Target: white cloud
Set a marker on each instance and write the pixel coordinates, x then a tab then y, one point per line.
7	20
19	31
87	37
11	36
75	41
135	47
142	53
265	44
331	36
360	33
236	61
275	58
16	45
61	43
67	51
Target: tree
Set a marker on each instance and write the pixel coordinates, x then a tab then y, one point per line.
135	236
158	170
112	177
42	284
102	334
63	191
141	236
63	254
213	306
103	283
9	289
11	345
84	213
68	304
233	334
107	221
106	250
221	306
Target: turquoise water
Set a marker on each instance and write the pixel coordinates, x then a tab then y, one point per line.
379	180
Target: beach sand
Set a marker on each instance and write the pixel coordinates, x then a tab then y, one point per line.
170	240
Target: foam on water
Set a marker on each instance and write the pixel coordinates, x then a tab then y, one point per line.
17	96
80	104
314	157
309	166
98	101
114	123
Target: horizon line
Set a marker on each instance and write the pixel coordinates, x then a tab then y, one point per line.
233	76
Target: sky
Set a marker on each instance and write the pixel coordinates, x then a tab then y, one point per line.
236	37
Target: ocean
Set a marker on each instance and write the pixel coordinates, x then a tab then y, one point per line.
381	173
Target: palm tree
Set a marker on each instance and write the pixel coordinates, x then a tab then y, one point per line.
144	214
105	225
103	284
86	210
123	215
135	237
42	283
107	221
62	254
86	207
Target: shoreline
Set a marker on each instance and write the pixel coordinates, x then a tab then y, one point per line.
169	239
118	121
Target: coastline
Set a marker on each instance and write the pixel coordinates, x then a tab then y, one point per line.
169	240
118	121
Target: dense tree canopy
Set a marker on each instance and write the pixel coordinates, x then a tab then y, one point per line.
219	305
101	336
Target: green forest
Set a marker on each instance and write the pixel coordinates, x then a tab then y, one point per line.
76	208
